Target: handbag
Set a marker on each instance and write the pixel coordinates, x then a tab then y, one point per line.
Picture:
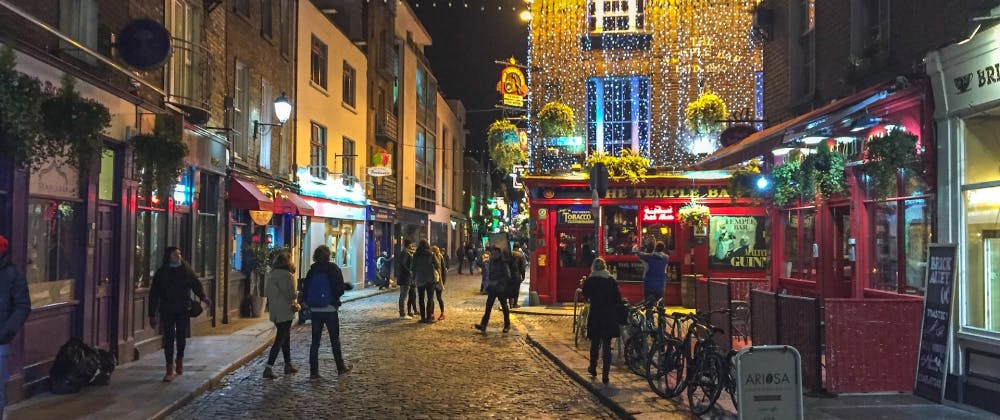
194	308
621	313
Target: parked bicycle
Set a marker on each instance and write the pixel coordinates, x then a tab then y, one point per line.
580	318
639	335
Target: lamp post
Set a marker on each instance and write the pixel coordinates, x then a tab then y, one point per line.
282	110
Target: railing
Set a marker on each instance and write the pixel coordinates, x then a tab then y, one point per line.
390	58
189	82
386	126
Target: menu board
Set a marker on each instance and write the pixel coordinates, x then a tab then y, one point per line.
932	358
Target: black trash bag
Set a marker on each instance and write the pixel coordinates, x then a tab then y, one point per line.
76	365
108	362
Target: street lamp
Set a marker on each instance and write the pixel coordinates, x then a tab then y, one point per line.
525	16
282	110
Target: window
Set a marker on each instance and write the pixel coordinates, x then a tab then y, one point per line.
240	232
869	28
430	153
285	26
615	15
445	176
421	87
799	236
54	241
150	242
318	58
350	85
267	117
241	108
78	19
618	113
317	151
980	248
184	23
622	236
242	7
266	15
106	183
802	48
206	236
421	148
350	156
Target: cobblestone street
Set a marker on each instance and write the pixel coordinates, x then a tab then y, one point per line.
404	369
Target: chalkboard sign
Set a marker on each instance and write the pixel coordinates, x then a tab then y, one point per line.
932	358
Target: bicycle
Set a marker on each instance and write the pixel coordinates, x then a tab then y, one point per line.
580	320
709	372
638	336
666	353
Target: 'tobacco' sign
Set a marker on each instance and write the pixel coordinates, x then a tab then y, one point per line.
769	383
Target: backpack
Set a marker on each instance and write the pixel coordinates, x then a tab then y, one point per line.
318	292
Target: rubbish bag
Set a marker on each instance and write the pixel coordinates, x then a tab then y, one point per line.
108	362
76	365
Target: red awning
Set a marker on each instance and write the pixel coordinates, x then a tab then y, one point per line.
291	203
762	142
245	195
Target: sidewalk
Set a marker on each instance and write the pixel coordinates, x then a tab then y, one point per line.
136	391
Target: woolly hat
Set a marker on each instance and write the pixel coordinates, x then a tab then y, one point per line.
3	245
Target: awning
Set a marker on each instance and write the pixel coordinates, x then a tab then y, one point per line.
762	142
291	203
245	195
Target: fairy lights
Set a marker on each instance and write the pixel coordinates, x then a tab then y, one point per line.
682	46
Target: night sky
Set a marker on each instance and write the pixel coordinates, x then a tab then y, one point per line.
466	42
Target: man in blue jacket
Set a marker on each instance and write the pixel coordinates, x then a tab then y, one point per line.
14	309
655	279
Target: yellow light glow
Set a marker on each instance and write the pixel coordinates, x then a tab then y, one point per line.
525	16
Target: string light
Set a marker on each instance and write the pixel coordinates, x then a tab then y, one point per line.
695	45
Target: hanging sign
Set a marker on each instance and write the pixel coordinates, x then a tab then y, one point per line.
512	86
381	164
260	218
574	215
655	214
932	358
738	243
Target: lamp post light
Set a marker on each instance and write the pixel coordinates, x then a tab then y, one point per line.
282	110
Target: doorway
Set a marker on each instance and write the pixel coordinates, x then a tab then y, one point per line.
575	251
843	250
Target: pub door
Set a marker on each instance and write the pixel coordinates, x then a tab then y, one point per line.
575	251
843	274
103	317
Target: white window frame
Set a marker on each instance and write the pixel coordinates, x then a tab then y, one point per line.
241	110
267	117
598	10
348	148
634	104
184	23
350	86
79	20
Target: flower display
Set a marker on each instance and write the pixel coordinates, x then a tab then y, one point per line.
693	214
705	114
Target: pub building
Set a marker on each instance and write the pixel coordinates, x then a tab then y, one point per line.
734	245
848	267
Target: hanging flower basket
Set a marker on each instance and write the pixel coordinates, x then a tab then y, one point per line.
556	119
742	182
885	156
693	215
705	115
163	160
505	149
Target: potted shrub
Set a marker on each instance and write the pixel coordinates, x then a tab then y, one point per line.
259	257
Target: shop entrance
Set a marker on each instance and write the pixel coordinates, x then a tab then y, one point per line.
106	277
843	251
575	251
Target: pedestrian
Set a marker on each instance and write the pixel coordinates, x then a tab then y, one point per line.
470	255
170	297
482	261
324	286
497	287
442	279
601	290
460	256
654	281
518	265
404	281
425	272
14	309
282	302
383	268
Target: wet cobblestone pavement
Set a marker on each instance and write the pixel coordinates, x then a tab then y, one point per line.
404	369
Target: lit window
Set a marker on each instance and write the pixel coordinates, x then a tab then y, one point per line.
618	113
615	15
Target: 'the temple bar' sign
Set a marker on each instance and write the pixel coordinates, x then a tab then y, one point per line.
653	192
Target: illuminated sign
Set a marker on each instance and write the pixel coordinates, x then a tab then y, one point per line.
657	214
574	215
512	86
517	171
655	192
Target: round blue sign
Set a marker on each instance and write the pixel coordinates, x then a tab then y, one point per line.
144	44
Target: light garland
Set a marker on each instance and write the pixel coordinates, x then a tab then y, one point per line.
696	45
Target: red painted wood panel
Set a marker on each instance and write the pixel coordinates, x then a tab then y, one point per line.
871	344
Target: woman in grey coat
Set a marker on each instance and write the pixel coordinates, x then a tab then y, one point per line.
280	293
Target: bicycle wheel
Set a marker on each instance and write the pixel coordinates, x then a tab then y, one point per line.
663	358
705	381
636	351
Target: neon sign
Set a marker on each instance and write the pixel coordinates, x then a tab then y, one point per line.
657	214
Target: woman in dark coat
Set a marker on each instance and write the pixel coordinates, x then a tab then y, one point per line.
601	290
498	279
169	302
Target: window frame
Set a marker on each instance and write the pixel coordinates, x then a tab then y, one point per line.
242	8
241	111
597	124
598	12
317	150
350	86
349	158
285	42
319	64
267	19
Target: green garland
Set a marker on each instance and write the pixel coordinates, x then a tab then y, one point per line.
825	170
786	182
162	158
556	119
886	155
73	124
626	166
741	183
20	113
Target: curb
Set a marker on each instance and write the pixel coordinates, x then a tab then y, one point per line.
607	401
528	312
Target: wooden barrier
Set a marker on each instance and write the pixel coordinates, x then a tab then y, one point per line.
763	317
718	298
799	327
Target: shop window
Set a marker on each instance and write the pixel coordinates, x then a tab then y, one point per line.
180	233
106	180
658	232
981	244
241	229
150	242
576	251
901	230
620	230
54	243
799	237
206	237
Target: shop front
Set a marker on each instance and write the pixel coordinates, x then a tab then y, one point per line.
566	237
379	240
411	225
341	227
850	262
967	94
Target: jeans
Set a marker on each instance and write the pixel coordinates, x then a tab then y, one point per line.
650	296
331	320
175	328
426	309
411	303
489	308
437	292
4	376
461	261
406	298
282	342
603	344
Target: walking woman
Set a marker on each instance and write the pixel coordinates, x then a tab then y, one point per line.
169	303
425	271
601	290
323	289
497	287
280	293
442	276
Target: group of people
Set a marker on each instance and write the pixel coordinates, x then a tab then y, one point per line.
502	274
421	274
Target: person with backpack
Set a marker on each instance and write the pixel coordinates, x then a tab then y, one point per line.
169	304
405	282
383	268
281	301
424	267
499	279
324	286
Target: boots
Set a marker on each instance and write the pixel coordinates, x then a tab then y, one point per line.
180	367
269	373
290	369
170	373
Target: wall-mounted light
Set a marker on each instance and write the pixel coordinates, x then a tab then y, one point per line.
282	110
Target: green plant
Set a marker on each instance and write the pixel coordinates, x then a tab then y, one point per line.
20	114
626	166
556	119
162	158
885	156
825	170
705	115
741	183
73	124
786	182
693	214
501	131
505	149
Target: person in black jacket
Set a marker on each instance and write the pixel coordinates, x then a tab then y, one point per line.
497	287
170	297
327	316
518	266
14	309
601	290
404	279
